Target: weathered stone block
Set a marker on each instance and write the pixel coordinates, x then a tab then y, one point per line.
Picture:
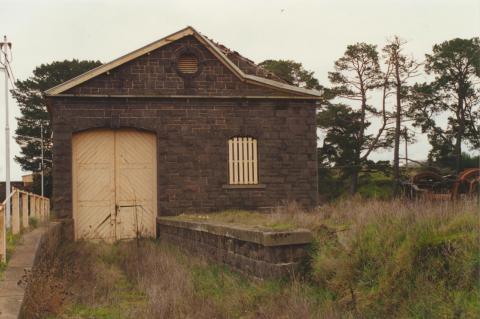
262	254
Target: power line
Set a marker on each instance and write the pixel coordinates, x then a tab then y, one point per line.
7	62
6	46
11	77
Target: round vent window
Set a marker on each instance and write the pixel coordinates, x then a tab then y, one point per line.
187	64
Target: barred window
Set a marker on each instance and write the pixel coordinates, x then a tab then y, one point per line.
242	161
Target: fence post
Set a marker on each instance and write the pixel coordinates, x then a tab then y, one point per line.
46	206
31	201
37	207
16	212
42	208
25	210
3	235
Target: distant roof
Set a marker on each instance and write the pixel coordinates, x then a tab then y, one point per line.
245	69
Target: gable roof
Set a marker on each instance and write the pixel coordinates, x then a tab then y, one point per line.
261	77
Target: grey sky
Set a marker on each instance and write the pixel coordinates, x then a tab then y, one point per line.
312	32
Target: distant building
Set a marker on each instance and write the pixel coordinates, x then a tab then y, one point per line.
28	179
26	184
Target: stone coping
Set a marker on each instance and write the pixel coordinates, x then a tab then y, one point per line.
242	232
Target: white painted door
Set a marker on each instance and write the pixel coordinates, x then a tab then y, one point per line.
114	184
136	184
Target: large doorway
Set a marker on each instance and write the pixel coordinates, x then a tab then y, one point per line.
114	184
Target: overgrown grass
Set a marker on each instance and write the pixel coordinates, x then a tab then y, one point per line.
33	222
147	279
178	286
375	185
389	258
240	218
371	259
413	260
12	241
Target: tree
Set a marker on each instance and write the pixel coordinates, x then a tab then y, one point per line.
341	126
455	65
357	74
292	72
29	97
403	69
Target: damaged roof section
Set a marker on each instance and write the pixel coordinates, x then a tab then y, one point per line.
244	69
247	65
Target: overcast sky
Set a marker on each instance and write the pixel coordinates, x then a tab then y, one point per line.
312	32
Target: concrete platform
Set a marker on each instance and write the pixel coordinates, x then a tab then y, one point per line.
12	286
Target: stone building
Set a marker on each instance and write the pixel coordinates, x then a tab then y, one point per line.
182	124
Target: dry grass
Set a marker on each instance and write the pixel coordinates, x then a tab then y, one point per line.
178	286
400	259
386	258
371	259
341	215
149	280
160	272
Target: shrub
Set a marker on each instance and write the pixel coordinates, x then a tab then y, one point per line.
33	222
420	262
370	259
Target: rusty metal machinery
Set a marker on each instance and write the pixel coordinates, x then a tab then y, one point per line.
432	185
467	183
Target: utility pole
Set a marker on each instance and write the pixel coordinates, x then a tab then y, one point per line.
5	46
41	139
406	149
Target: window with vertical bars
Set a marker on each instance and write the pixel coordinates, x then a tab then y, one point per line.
242	161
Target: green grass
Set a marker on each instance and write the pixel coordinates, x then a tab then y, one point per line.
241	218
98	312
413	265
241	297
123	298
12	242
370	259
33	222
100	288
375	185
229	291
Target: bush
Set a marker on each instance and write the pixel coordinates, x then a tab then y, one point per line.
420	262
370	259
33	222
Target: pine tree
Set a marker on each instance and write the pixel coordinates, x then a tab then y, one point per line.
292	72
29	95
454	93
357	74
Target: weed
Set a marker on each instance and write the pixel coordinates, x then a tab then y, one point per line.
33	222
370	259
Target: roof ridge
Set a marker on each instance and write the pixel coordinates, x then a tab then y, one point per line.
213	47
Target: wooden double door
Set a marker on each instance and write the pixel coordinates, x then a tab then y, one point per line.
114	184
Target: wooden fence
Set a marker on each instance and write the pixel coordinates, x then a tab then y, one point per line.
23	206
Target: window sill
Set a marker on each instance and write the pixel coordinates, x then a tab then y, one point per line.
244	186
